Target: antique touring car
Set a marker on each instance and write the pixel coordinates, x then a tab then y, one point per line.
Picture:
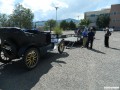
28	44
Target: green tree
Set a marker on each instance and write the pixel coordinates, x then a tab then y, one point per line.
84	22
22	17
103	21
57	30
64	25
11	21
3	20
72	25
50	24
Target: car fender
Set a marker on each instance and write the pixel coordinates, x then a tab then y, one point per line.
56	44
22	50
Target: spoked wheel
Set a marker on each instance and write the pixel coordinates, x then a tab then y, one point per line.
61	47
7	52
31	58
4	56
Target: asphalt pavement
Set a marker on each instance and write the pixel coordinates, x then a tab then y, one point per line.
76	69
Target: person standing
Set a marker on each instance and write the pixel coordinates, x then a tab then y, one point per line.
79	33
91	35
84	34
106	39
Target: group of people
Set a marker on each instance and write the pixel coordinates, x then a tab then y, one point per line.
88	36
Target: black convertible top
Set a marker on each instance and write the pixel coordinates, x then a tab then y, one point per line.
24	37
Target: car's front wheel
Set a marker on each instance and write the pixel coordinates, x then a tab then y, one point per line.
31	58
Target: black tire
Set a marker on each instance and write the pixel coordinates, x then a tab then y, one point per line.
6	55
31	58
61	47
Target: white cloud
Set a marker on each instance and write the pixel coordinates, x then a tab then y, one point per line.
81	16
44	8
77	16
59	4
104	7
74	15
36	5
6	6
43	5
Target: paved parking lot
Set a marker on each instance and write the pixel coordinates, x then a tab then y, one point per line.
76	69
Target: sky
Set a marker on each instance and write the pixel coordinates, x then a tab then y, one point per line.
45	9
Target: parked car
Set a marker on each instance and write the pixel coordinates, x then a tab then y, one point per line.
28	44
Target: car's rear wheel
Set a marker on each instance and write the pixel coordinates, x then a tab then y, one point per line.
7	52
61	47
31	58
4	58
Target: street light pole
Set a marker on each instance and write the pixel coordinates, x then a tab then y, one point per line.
56	12
78	18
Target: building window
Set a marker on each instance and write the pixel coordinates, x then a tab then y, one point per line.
92	15
117	12
113	20
101	14
111	13
114	13
107	14
118	20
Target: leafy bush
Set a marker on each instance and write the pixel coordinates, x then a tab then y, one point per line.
57	30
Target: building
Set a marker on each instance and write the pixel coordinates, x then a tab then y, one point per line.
93	15
113	12
115	16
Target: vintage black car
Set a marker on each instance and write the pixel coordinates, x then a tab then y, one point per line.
28	44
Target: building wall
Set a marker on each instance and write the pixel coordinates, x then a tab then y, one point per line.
92	16
115	16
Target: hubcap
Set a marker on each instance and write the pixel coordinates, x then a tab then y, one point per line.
61	47
31	58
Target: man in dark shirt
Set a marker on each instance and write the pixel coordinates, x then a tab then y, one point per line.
106	40
91	35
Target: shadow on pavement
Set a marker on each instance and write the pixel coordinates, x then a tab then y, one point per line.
97	39
114	48
15	77
97	51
